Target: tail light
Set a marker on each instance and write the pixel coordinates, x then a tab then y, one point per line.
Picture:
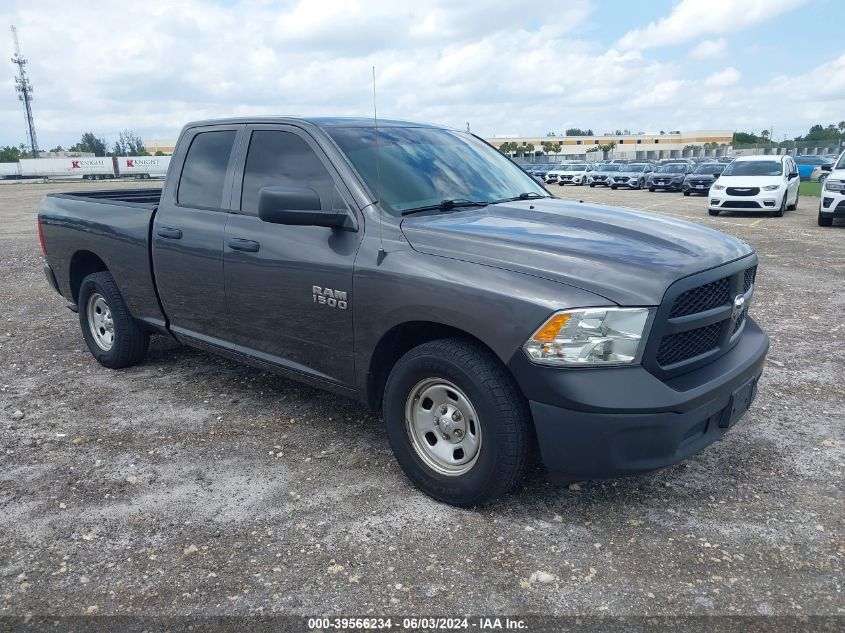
41	238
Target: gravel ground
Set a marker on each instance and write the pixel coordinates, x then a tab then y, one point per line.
193	485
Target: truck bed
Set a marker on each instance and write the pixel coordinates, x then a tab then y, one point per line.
148	197
83	228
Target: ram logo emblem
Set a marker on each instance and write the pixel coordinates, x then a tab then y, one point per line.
328	297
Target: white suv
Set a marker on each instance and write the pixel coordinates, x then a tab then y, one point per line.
832	203
756	183
574	174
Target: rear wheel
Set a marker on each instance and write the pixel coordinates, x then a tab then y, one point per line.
111	334
457	423
794	205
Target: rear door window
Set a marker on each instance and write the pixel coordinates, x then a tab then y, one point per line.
204	172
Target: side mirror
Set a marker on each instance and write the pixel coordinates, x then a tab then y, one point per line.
299	206
793	174
827	167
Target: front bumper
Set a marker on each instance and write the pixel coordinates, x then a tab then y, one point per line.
763	201
702	189
669	186
832	204
595	423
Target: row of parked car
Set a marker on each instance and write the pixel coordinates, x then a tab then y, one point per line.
746	183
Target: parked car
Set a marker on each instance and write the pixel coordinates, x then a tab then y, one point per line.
601	174
756	183
808	166
832	202
574	174
482	316
633	176
669	176
701	178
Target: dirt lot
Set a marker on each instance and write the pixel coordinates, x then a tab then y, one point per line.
193	485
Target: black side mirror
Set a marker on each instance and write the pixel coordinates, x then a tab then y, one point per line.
793	174
299	206
827	167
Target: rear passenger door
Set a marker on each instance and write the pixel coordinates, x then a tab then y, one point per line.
273	271
187	236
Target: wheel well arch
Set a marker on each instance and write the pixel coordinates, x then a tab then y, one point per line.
396	342
82	264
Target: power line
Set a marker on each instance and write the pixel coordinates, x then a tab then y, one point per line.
24	90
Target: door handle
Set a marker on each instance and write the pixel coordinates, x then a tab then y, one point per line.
168	233
247	246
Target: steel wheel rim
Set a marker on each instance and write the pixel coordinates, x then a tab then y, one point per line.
100	321
443	427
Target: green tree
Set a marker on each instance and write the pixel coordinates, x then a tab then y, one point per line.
129	144
577	131
90	142
160	153
745	138
9	154
58	148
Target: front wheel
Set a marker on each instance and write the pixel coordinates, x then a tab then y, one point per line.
686	193
823	221
651	189
457	423
111	334
592	184
713	211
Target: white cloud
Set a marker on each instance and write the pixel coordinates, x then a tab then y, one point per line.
504	67
709	49
727	77
691	19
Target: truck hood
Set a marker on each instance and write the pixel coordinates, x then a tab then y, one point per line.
628	257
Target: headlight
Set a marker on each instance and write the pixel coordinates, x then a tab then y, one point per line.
718	187
771	187
593	336
834	185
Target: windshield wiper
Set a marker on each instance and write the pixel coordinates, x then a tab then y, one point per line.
445	205
530	195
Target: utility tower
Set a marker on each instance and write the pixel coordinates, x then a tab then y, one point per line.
24	89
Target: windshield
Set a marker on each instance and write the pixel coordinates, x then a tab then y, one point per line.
425	166
840	164
754	168
709	168
575	167
635	168
608	168
672	168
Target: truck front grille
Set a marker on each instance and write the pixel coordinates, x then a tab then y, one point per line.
698	321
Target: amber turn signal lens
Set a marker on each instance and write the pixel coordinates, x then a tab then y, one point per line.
550	329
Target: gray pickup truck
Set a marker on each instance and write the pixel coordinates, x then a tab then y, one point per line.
420	271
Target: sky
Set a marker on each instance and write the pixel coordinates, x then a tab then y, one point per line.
503	67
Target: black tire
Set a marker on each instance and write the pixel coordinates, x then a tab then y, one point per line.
504	421
713	211
592	184
823	221
651	189
130	342
686	193
613	187
779	213
794	206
